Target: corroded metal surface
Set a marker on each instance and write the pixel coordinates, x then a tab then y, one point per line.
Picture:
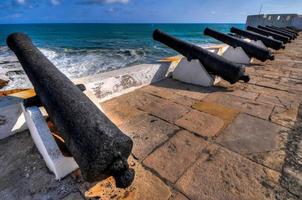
213	63
97	145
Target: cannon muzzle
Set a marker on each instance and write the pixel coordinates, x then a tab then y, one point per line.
249	48
290	36
97	145
269	42
212	62
269	33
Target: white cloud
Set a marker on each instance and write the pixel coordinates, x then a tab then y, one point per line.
21	2
55	2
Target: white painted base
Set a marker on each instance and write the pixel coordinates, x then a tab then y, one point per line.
194	73
258	43
236	55
46	144
11	117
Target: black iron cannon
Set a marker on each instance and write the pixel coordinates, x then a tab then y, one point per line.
97	145
285	30
291	36
293	28
269	42
269	33
249	48
213	63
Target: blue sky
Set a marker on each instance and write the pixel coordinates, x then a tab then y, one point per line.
139	11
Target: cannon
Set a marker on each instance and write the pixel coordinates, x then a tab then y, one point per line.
97	145
293	35
249	48
269	33
278	32
269	42
285	30
293	28
213	63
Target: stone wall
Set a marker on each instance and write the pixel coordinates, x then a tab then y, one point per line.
280	20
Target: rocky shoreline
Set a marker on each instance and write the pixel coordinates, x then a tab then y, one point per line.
12	75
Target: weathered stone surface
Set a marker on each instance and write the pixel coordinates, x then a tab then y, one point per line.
133	99
285	116
227	114
201	123
172	94
145	186
74	196
221	174
177	196
147	132
180	152
24	173
270	99
123	114
166	110
3	83
244	94
244	105
258	139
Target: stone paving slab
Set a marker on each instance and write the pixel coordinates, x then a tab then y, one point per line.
203	124
181	151
147	132
244	105
226	114
260	140
145	186
221	174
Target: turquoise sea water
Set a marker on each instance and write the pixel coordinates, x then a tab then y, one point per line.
85	49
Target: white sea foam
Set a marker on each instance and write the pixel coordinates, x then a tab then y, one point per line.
75	62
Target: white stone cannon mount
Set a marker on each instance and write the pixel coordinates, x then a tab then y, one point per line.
193	72
15	118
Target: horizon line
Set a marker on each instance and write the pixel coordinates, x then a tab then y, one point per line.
30	23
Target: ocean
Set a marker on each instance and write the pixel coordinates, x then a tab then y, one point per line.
80	50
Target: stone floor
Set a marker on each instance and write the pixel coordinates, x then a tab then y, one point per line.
227	142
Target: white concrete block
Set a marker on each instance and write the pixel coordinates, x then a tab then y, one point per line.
11	117
258	43
46	144
236	55
115	83
194	73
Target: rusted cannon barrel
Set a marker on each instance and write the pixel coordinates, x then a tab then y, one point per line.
269	33
249	48
212	62
98	146
285	30
291	36
269	42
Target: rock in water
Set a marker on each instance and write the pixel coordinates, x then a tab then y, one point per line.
3	83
